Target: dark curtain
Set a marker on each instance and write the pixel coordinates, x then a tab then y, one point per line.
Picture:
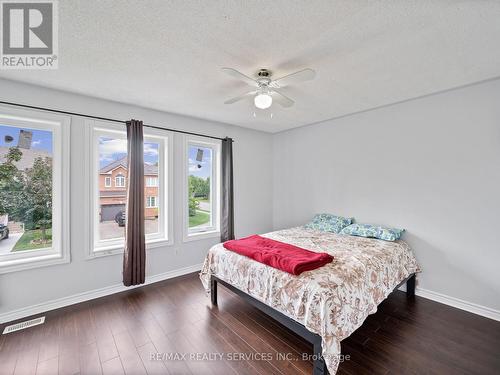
134	257
227	209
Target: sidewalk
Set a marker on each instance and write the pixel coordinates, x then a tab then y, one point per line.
7	244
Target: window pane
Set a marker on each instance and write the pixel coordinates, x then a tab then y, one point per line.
200	188
113	197
25	189
151	162
151	181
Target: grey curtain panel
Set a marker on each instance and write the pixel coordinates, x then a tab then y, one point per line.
227	207
134	257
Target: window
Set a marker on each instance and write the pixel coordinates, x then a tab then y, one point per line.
201	188
151	181
107	181
119	180
108	144
33	189
151	202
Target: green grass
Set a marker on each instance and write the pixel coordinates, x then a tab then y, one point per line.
200	218
24	243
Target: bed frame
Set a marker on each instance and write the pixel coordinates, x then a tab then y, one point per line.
319	366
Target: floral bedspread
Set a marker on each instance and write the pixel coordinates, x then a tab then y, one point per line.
332	301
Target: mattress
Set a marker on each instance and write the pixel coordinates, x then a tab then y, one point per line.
331	301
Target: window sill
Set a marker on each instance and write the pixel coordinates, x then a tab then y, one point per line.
201	235
33	262
118	249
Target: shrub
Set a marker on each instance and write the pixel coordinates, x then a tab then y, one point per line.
193	206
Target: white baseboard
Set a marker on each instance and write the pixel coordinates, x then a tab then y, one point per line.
456	302
86	296
459	303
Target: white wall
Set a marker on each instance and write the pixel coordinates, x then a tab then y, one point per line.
430	165
253	199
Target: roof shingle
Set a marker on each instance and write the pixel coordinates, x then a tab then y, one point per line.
149	169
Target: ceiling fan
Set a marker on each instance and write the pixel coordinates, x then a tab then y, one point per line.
266	89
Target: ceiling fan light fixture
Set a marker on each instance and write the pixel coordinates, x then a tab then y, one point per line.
264	85
263	100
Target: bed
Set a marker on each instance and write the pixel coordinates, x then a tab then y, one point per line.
325	305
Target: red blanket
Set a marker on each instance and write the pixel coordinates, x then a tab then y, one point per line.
283	256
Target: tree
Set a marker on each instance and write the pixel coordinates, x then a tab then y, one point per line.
198	187
38	192
27	195
8	169
11	185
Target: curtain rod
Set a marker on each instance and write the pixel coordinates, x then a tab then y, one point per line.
107	119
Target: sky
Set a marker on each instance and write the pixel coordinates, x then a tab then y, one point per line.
206	163
111	149
41	140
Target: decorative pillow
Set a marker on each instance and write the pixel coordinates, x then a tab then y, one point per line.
329	223
373	231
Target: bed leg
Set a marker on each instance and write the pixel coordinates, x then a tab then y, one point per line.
319	365
410	286
213	291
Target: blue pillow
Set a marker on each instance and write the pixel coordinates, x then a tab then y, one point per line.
329	223
373	231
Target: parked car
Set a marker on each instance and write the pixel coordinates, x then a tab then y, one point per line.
120	218
4	232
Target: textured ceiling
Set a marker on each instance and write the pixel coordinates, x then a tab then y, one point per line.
167	55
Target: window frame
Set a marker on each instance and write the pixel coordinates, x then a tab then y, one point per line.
98	248
154	198
106	179
214	230
120	177
148	179
60	126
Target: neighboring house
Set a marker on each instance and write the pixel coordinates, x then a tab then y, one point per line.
113	189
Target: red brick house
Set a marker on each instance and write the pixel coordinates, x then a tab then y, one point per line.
112	189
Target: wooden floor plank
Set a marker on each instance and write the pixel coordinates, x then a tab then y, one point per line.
27	362
89	359
48	367
202	343
163	345
69	363
153	367
113	367
106	348
132	363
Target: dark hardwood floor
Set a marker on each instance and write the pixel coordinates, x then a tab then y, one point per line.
118	334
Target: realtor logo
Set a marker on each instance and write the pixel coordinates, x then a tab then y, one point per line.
29	34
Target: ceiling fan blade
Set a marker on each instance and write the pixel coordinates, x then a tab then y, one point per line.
282	99
238	75
238	98
300	76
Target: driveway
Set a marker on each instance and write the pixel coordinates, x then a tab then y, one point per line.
205	206
7	244
110	229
